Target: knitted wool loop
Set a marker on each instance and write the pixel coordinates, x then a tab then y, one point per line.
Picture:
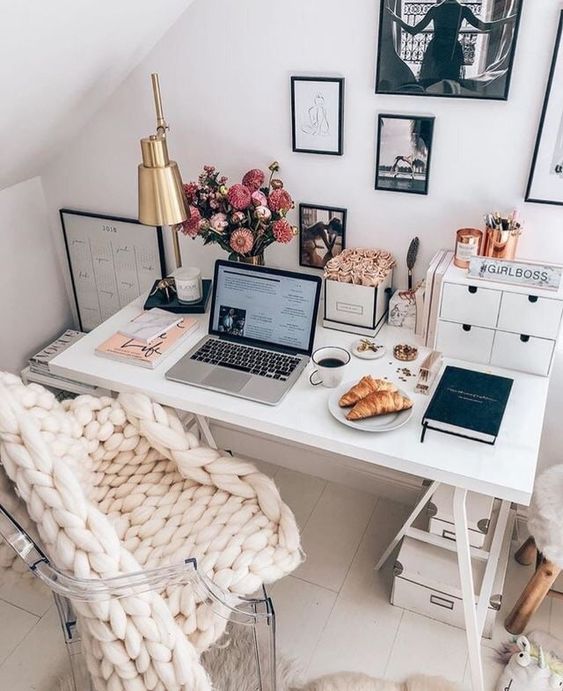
118	486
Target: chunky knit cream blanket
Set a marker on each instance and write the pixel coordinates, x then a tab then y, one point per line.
116	486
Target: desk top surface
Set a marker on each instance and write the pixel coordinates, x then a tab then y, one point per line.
506	470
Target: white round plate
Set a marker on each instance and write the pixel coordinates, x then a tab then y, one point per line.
369	354
381	423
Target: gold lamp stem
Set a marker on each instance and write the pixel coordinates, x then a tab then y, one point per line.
176	243
161	125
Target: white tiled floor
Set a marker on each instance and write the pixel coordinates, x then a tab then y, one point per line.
333	614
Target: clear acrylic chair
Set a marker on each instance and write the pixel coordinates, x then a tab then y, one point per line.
257	615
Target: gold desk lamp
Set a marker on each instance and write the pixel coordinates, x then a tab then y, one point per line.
162	201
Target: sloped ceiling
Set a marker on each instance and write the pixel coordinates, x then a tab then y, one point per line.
59	61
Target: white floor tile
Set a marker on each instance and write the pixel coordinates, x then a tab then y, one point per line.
268	469
492	669
15	625
300	492
40	661
29	594
302	610
333	533
360	632
424	646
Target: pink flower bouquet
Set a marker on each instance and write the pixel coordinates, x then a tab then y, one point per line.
244	218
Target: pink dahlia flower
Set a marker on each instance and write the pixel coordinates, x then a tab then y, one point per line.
259	198
280	201
254	179
218	222
242	241
282	230
262	213
190	226
239	197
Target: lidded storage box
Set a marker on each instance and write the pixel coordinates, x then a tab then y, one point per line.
357	290
479	511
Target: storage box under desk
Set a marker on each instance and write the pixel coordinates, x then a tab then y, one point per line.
441	517
426	581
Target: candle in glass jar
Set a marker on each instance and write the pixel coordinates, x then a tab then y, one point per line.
468	244
188	284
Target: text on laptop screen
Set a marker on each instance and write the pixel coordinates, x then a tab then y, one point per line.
265	307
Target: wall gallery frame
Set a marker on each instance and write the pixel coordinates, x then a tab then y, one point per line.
545	185
112	261
322	234
404	147
448	48
317	115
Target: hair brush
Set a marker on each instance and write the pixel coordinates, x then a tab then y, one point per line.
411	258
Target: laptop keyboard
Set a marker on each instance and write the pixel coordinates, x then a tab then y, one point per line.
264	363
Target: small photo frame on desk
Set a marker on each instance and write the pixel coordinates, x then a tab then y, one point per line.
404	146
112	261
322	234
317	115
545	185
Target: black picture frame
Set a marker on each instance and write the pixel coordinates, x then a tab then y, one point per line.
426	129
86	322
298	139
557	58
394	75
330	238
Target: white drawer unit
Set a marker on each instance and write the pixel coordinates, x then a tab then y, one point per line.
464	341
470	305
502	325
538	316
522	352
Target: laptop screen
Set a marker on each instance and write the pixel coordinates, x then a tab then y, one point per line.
265	305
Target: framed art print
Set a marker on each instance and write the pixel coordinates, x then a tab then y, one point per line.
112	261
545	184
317	115
404	146
322	234
451	48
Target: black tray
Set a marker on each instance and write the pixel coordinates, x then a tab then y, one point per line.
177	307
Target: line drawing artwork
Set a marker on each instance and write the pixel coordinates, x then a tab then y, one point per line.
315	120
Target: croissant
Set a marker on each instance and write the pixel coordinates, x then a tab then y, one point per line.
379	403
363	388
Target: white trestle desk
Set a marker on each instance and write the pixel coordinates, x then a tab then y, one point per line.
505	471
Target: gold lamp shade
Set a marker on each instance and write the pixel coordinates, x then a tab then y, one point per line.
162	201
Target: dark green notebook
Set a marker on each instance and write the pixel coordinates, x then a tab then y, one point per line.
468	404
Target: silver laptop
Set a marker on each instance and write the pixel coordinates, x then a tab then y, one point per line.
261	332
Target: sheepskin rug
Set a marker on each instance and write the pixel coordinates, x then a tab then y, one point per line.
229	668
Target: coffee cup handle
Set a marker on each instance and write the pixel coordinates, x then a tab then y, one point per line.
314	383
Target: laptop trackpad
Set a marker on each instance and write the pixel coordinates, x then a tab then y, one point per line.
226	379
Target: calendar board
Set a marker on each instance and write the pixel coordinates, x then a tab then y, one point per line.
112	261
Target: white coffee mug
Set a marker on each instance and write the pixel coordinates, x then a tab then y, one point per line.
331	364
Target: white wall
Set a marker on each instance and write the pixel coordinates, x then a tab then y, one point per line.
35	306
225	69
59	61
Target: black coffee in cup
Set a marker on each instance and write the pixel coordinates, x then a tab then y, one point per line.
330	362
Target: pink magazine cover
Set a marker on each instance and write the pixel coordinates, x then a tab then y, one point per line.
136	352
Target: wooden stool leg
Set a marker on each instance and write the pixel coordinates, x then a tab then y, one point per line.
532	597
527	553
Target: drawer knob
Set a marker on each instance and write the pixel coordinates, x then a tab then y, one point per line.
532	298
524	338
466	327
472	289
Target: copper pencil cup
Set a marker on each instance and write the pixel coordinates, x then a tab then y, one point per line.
500	244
